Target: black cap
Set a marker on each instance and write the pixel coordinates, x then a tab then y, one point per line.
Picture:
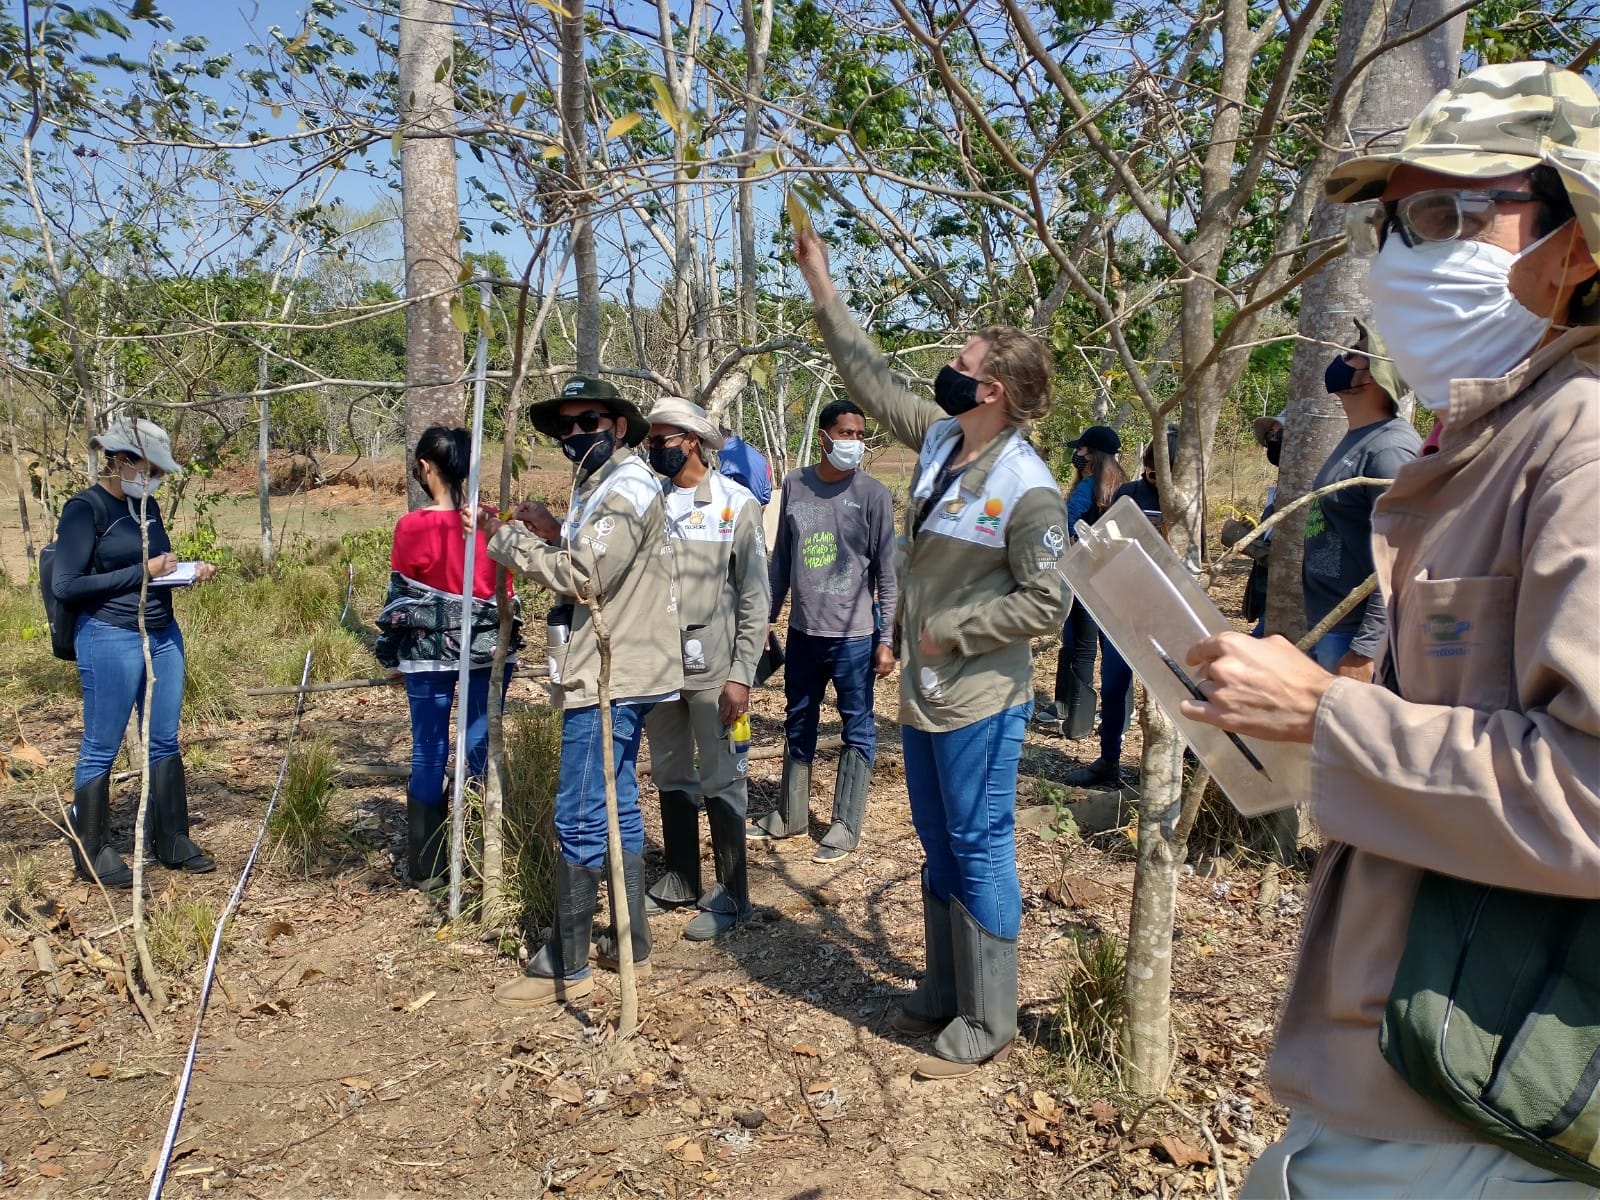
543	414
1099	437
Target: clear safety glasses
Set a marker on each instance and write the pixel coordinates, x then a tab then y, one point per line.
1436	215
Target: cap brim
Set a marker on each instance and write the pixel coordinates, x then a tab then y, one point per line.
1364	178
1261	425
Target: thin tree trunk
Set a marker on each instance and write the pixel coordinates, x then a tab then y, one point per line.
430	215
575	140
525	338
263	479
1147	1033
141	943
16	452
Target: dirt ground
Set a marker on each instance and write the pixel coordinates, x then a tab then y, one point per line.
353	1047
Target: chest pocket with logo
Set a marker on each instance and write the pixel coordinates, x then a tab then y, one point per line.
1457	643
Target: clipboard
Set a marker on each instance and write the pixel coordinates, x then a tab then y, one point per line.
1137	590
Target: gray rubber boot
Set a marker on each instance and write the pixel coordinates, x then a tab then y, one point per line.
986	1000
169	819
849	806
727	905
793	814
427	855
933	1005
680	847
605	944
545	979
90	819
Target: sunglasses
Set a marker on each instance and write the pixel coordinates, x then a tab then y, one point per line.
1436	215
586	422
662	440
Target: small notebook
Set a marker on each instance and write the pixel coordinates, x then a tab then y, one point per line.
182	576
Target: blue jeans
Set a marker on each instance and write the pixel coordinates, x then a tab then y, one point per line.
1331	647
963	790
581	784
111	670
1116	695
431	694
811	663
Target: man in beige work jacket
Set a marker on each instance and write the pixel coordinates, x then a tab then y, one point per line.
1473	758
714	525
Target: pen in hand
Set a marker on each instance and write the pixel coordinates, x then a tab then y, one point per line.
1194	690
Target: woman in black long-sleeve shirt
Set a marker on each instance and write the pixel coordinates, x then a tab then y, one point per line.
101	565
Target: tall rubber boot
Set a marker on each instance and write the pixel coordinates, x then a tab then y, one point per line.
933	1005
1077	712
605	944
560	971
849	806
986	1000
169	819
680	847
793	814
90	820
727	904
427	844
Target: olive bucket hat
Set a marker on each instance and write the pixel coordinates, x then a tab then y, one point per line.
543	414
1499	120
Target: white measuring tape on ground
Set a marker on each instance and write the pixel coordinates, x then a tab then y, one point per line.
164	1159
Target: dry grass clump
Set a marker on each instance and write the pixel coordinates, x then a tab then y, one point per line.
301	824
1091	1013
180	933
532	756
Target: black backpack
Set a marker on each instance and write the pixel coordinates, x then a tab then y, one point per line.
60	615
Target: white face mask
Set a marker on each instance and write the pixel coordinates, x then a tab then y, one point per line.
845	455
140	487
1446	313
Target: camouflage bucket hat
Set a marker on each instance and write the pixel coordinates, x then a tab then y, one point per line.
1498	121
1379	364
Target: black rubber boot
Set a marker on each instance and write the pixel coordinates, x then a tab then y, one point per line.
727	905
545	981
849	806
793	814
427	844
605	944
169	820
90	820
933	1005
1096	774
986	1000
1075	695
680	848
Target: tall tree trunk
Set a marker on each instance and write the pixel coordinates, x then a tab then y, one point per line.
575	139
1392	91
431	219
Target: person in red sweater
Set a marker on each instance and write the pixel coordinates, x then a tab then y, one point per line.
420	636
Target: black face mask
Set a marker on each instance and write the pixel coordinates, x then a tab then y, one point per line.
667	461
589	450
1080	464
1274	448
1339	377
954	392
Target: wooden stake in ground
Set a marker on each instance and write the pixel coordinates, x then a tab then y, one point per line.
593	599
